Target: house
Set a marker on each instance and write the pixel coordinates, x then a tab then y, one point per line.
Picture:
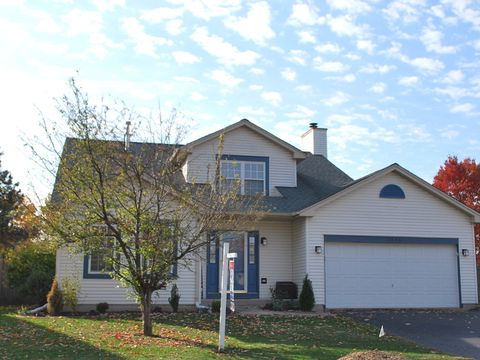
387	240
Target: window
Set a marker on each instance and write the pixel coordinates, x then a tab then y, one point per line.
249	176
96	265
392	191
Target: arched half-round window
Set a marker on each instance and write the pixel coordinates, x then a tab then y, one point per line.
392	191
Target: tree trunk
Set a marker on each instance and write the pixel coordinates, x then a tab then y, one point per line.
146	314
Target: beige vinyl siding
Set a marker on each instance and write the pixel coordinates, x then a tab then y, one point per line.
299	250
93	291
243	141
276	256
420	214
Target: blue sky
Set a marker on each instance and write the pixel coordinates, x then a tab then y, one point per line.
393	81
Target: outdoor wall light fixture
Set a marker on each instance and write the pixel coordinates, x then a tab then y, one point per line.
318	249
465	252
263	241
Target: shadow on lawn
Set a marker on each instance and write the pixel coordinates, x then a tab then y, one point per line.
279	337
20	339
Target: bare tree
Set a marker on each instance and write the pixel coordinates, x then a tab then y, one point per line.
129	201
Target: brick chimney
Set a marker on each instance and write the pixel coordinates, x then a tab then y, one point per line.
315	140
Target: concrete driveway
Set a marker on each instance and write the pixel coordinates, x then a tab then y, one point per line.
453	332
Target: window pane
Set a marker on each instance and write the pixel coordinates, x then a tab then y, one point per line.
253	187
254	171
251	250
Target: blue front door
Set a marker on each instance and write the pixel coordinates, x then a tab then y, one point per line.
246	263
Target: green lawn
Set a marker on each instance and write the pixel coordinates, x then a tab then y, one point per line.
192	336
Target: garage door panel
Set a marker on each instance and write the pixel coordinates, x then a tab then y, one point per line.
362	275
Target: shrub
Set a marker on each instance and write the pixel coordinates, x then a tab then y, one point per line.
174	298
54	299
306	300
31	269
215	306
70	289
102	307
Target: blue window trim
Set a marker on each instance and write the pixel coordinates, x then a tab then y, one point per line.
392	191
89	275
263	159
389	239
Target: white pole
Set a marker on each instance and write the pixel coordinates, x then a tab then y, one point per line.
223	298
231	267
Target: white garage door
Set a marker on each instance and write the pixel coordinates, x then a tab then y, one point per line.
362	275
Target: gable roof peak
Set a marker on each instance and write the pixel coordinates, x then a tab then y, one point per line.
297	153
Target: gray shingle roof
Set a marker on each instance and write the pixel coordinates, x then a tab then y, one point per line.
317	179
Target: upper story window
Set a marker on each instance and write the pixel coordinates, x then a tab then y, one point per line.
250	174
392	191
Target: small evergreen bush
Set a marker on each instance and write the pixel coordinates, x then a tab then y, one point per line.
54	299
306	300
102	307
174	298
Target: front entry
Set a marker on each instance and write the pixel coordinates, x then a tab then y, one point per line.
245	244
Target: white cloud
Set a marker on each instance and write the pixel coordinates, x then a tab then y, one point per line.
328	66
377	69
108	5
337	99
304	14
303	88
255	26
349	78
225	79
184	57
161	14
175	27
143	43
208	9
405	10
298	57
83	22
196	96
273	97
289	74
185	79
253	111
255	87
454	77
427	64
378	88
462	108
453	92
257	71
306	37
350	6
408	81
345	26
301	112
366	45
328	47
225	52
432	39
462	9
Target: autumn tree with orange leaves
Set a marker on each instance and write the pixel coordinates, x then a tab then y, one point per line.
461	180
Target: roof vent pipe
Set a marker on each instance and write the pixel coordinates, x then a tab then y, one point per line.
126	137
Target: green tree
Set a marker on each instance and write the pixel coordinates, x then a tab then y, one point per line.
11	208
129	200
30	269
306	299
